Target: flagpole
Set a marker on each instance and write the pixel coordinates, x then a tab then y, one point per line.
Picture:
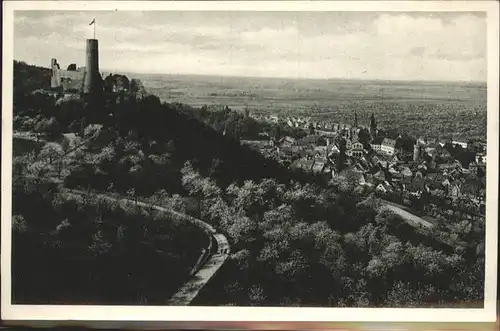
94	27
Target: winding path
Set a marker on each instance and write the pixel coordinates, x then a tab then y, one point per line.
211	260
410	218
207	266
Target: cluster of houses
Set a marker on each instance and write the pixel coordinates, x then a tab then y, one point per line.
380	163
305	123
394	175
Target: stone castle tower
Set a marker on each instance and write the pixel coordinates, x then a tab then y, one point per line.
92	84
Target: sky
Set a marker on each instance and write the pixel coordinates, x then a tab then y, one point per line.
347	45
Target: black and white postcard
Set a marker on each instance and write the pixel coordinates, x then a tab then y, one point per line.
243	161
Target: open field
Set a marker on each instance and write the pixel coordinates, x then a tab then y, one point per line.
419	108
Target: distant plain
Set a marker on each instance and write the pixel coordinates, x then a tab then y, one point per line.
439	109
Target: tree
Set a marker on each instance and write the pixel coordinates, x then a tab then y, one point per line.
405	143
19	224
248	199
388	217
92	130
118	83
364	138
177	203
204	190
256	295
243	231
280	218
341	159
277	132
402	295
137	88
312	130
242	259
216	168
49	127
51	153
131	194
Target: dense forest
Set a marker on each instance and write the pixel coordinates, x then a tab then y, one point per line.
296	239
28	78
303	245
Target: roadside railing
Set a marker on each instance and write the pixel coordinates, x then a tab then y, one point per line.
207	265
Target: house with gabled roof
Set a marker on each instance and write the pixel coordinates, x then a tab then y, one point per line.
384	187
377	144
357	175
406	172
380	176
473	168
398	158
311	139
430	150
355	149
395	178
481	158
381	188
454	190
446	183
383	164
460	142
334	149
442	152
287	141
318	166
393	171
388	146
422	167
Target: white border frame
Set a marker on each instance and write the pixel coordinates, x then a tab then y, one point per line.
142	313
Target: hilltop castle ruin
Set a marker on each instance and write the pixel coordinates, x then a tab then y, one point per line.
86	80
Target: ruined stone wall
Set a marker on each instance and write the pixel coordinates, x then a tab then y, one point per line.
72	80
68	80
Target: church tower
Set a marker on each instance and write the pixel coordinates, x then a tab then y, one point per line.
416	152
355	119
373	125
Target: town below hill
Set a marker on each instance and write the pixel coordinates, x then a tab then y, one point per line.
395	166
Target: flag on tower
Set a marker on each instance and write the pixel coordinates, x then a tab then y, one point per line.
93	21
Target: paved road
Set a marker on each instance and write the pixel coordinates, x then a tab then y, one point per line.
215	257
412	219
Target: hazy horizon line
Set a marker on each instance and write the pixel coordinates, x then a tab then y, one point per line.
477	82
457	82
